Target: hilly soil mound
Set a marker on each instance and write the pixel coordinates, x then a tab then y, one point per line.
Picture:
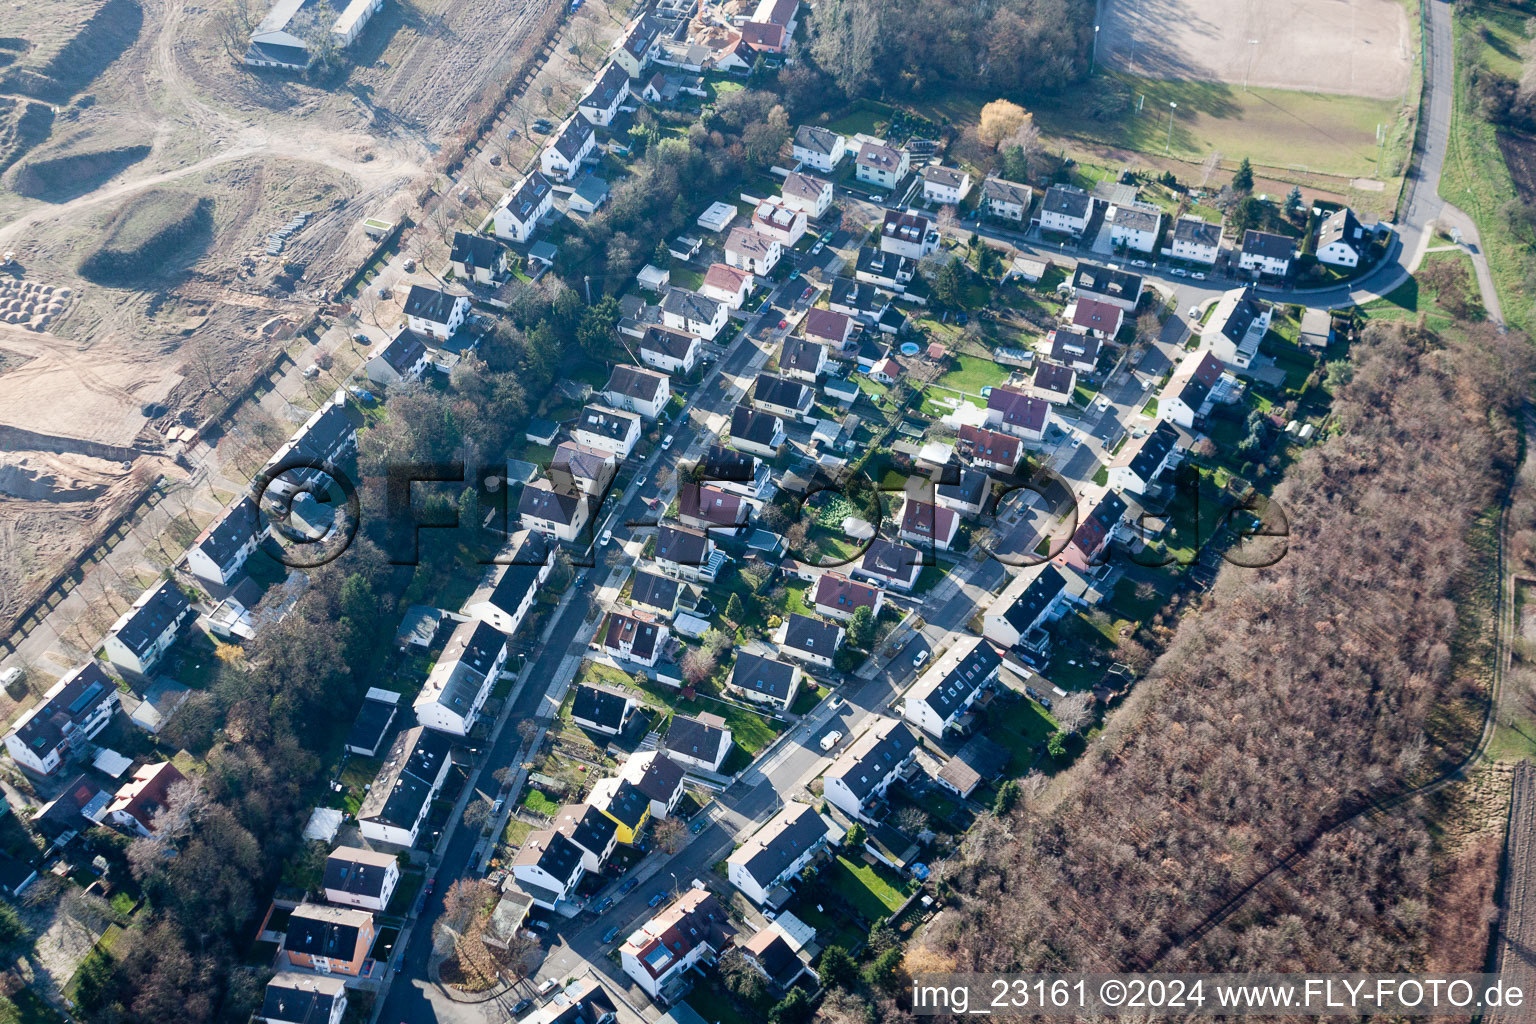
154	232
74	174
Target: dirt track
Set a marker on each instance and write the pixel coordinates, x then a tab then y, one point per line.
1515	957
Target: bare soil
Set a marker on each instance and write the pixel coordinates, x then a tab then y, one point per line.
1515	952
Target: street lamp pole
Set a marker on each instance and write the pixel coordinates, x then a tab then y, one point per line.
1169	145
1251	44
1093	54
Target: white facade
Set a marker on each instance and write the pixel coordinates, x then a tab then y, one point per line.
689	317
820	148
869	766
779	221
164	623
562	166
881	166
810	195
517	215
43	736
1135	228
586	431
349	859
945	186
1195	241
442	330
747	249
221	550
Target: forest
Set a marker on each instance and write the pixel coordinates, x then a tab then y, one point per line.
1294	697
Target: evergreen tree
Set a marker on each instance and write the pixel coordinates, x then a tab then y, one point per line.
861	629
1242	181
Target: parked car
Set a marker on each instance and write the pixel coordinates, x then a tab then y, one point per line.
607	539
521	1005
603	905
806	294
1194	311
428	887
610	934
656	898
361	339
666	442
697	826
831	740
1198	275
1179	272
783	324
922	656
495	160
628	886
835	703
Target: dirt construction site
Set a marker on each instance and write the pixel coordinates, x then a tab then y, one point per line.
1344	47
143	169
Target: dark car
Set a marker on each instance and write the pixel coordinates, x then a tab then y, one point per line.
657	897
604	905
610	934
698	826
430	883
628	886
522	1004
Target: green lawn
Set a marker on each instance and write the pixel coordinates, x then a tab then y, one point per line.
1077	645
516	831
972	374
750	730
1021	727
871	889
808	697
538	803
687	277
799	598
1278	128
866	117
1412	297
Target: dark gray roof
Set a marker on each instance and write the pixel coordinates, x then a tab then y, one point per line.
782	841
640	635
1196	231
694	738
614	424
957	685
750	425
320	931
780	391
572	137
294	998
1003	191
1268	244
579	461
763	675
404	785
815	138
1053	378
356	872
529	196
644	34
606	90
1151	450
1340	226
599	705
1244	313
475	250
78	695
277	53
148	621
429	304
970	487
1069	338
654	590
727	465
1137	218
559	856
803	355
873	756
554	506
859	295
804	186
633	382
404	350
371	724
690	304
941	175
225	535
587	827
681	545
1067	201
1042	590
668	343
659	777
887	266
812	636
472	650
892	561
1099	280
521	575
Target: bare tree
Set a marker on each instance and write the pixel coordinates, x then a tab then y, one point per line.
1074	711
671	833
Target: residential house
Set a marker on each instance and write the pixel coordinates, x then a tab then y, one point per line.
819	148
1341	239
590	829
609	91
945	185
1240	322
759	433
1030	600
980	760
781	396
509	589
461	678
1075	348
584	1001
373	722
360	878
778	852
548	867
573	143
658	778
601	709
764	680
907	234
562	514
965	491
881	166
589	193
886	369
802	359
1053	383
887	564
1135	226
864	771
630	638
1108	285
1195	240
638	390
607	429
583	468
433	312
700	743
704	507
989	449
950	685
689	554
884	269
857	300
1006	200
716	216
1266	253
518	214
809	640
807	193
220	551
727	284
80	804
1187	395
776	219
1101	318
926	524
331	940
662	954
775	954
1143	459
404	358
1093	534
142	634
325	437
295	998
134	806
1014	412
747	249
477	258
622	802
826	327
838	597
409	780
684	310
1066	210
669	351
738	472
638	46
654	593
507	917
